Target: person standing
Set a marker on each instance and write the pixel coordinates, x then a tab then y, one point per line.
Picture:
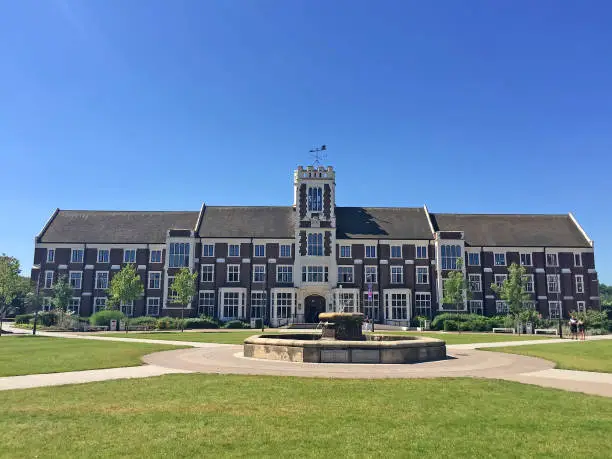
581	329
573	323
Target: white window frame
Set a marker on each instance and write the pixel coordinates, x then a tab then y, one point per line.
372	250
477	280
241	294
351	274
50	255
579	285
150	278
72	253
212	253
263	247
529	281
475	305
229	250
99	256
347	251
419	275
312	273
395	246
47	304
212	273
523	262
149	306
127	308
558	305
397	295
96	306
259	303
469	262
288	304
280	250
447	259
371	306
578	258
262	269
400	269
288	274
373	267
80	273
50	285
529	304
556	279
125	255
181	258
74	305
96	286
581	306
422	301
204	303
313	248
556	259
499	254
502	276
237	273
151	252
423	250
501	307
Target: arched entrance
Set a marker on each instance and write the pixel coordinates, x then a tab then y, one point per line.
313	306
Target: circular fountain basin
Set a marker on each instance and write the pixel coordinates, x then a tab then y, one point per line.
376	348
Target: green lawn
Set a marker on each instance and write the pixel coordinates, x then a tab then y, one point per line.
237	337
23	355
586	356
249	416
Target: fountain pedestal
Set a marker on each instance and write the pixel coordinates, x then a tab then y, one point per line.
343	326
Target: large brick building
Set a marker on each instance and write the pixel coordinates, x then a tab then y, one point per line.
290	263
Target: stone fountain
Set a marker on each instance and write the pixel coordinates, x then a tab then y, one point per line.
342	341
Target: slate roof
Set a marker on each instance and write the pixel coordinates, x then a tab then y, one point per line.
505	230
272	222
382	223
115	227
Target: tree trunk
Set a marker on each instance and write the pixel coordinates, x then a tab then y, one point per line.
182	318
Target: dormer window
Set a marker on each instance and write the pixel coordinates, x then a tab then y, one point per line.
315	199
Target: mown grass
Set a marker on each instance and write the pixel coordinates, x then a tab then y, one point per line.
23	355
249	416
238	336
582	355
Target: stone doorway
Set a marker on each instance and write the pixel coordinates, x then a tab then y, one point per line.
313	306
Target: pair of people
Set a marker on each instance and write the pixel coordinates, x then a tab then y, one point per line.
577	328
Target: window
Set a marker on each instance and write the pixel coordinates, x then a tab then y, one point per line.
233	250
206	303
422	275
554	309
154	279
528	283
285	250
153	306
99	304
283	305
46	304
74	305
450	255
525	259
473	259
422	304
231	305
345	251
552	259
259	300
396	251
500	279
314	274
48	279
103	255
398	308
499	259
397	274
345	274
129	255
577	259
475	283
579	283
315	199
50	255
75	279
315	244
529	305
370	304
155	256
179	255
260	250
208	250
172	295
207	273
233	274
501	307
102	280
475	307
421	251
259	273
77	256
553	283
346	302
581	306
370	251
371	274
284	274
127	308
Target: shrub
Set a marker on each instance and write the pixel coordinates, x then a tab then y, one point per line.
103	318
23	318
236	324
47	319
201	323
465	326
144	321
169	323
450	325
258	323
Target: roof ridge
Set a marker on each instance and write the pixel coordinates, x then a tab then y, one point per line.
379	207
129	211
500	215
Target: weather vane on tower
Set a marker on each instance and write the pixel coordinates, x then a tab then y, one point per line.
319	154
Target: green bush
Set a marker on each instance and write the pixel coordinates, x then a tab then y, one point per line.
144	321
236	324
169	323
23	318
258	323
47	319
103	318
201	323
465	326
450	325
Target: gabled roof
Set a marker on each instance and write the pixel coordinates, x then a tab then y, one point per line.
382	223
114	227
512	230
273	222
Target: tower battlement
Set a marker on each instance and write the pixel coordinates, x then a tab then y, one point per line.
312	172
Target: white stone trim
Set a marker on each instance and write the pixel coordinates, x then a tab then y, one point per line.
220	260
593	297
537	249
142	267
358	261
540	270
409	262
415	242
591	271
568	297
566	271
488	270
56	245
62	267
116	246
89	266
272	260
433	262
86	294
246	260
384	262
116	267
269	241
586	236
542	298
490	297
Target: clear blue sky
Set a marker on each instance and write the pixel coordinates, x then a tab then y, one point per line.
479	106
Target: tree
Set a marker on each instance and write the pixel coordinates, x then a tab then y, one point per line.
62	294
455	289
184	289
513	290
33	302
10	285
605	293
125	288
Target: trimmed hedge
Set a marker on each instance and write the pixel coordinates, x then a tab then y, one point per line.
144	321
169	323
201	323
103	318
23	318
236	324
469	322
